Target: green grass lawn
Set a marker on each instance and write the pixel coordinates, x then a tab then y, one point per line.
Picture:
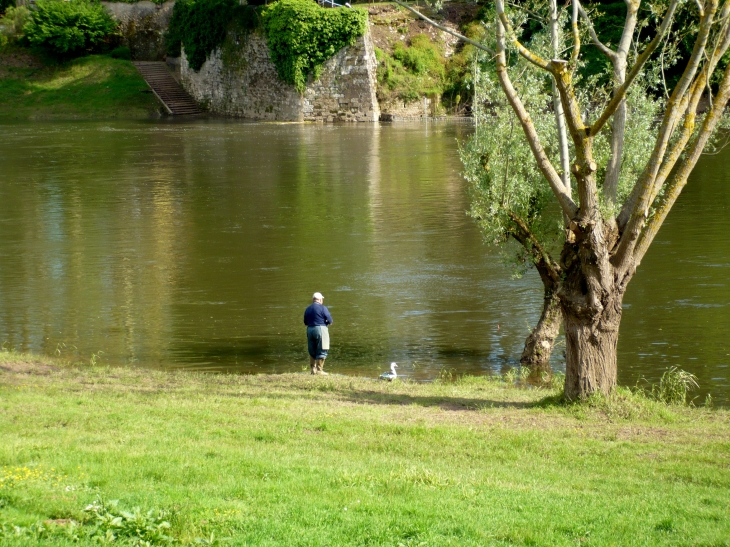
297	460
92	87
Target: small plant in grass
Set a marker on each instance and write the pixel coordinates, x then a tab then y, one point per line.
673	387
142	528
68	29
446	374
557	380
511	376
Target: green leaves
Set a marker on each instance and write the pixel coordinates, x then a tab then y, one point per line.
109	523
302	36
200	26
503	177
68	28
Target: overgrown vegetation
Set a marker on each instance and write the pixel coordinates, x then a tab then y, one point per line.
5	4
411	71
199	26
68	28
302	36
12	24
422	66
298	460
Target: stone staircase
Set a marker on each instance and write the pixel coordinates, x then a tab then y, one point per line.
173	97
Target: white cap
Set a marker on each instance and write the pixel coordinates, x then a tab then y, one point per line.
317	296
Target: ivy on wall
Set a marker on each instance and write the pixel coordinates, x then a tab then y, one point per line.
302	36
200	26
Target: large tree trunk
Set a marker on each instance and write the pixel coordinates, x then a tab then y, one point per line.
591	301
590	354
540	342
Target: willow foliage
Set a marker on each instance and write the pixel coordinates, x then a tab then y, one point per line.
505	183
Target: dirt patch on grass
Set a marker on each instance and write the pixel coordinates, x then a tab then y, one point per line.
19	58
26	368
16	62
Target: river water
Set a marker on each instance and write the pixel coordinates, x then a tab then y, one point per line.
199	245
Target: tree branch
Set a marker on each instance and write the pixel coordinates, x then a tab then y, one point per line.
446	29
543	162
637	203
620	93
527	239
618	125
692	100
557	104
680	177
576	37
526	53
645	186
608	52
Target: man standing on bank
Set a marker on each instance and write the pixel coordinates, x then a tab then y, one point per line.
317	317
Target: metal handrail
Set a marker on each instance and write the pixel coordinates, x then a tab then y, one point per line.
333	4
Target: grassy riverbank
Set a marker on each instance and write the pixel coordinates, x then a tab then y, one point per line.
299	460
93	87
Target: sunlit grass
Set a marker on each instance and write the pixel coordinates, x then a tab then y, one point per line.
300	460
91	87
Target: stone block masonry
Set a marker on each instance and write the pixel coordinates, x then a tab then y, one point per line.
142	26
241	80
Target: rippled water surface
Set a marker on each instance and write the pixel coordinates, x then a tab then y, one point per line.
199	245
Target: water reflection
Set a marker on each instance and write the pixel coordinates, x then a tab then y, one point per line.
199	245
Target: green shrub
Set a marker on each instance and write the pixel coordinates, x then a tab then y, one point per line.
413	71
122	52
68	28
200	26
5	4
302	36
422	57
12	24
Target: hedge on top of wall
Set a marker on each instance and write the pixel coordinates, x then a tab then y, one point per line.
302	36
200	26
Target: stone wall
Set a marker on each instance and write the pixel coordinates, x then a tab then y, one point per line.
143	26
240	80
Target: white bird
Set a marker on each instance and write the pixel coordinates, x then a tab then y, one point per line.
390	376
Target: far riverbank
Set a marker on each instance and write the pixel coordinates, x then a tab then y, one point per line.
92	87
299	460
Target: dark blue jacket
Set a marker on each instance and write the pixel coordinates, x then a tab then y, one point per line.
317	315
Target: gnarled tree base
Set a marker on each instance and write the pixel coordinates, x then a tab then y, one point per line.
539	344
590	365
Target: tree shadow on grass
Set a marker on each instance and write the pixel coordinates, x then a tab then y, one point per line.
444	402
